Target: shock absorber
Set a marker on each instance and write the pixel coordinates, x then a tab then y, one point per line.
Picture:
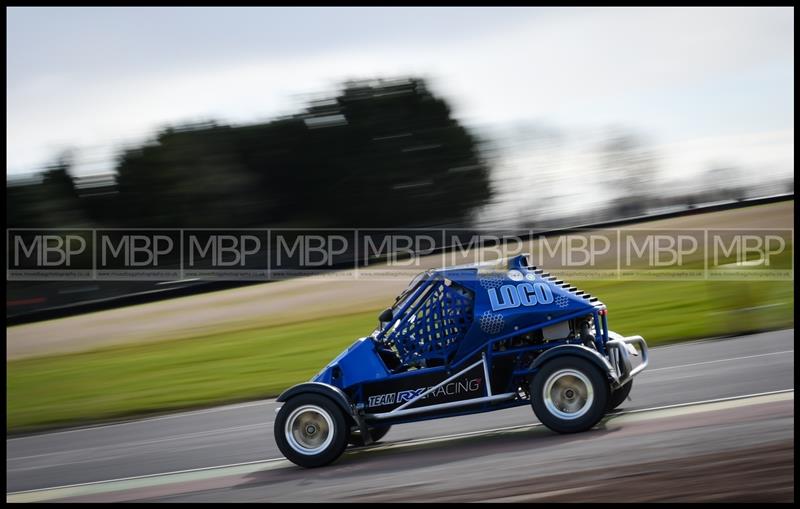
586	334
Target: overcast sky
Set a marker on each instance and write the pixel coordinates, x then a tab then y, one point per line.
702	84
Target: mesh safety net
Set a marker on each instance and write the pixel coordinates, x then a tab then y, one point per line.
434	324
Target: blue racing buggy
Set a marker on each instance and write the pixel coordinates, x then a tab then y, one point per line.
463	340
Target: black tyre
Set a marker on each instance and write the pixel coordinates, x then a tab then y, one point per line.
569	394
311	430
618	397
377	432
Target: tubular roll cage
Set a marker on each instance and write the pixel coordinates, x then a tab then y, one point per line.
601	340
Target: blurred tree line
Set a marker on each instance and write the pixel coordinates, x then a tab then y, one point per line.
48	201
379	154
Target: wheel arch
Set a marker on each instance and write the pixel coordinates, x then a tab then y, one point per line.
334	393
580	351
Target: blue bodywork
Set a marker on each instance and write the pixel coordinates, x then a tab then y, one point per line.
485	325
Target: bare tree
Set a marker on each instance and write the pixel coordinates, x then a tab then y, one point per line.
629	167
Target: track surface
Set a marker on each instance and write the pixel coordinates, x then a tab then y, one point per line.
473	467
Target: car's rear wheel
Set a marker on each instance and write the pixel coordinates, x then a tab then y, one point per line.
619	396
569	394
311	430
376	432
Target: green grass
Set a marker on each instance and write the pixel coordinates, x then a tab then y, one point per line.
261	362
129	379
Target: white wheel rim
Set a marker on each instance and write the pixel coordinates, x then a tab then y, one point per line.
309	430
568	394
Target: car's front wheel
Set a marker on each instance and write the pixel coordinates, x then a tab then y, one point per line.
569	394
311	430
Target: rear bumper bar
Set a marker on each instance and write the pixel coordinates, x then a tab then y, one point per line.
621	349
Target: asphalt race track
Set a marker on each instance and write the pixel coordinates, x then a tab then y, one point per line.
709	420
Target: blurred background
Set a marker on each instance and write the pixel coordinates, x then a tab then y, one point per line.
483	118
468	116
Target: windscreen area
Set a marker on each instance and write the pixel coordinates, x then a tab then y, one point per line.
403	298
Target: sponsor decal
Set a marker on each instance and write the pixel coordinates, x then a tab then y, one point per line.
450	389
515	275
523	294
